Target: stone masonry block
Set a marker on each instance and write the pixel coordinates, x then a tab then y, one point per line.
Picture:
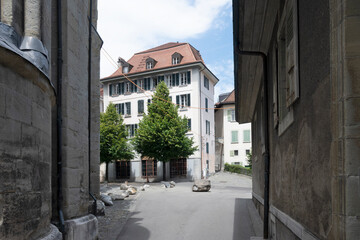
352	195
72	196
352	8
8	174
352	116
352	36
72	177
40	117
23	175
10	137
352	154
82	228
352	76
352	227
2	101
18	107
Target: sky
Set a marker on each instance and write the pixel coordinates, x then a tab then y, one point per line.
131	26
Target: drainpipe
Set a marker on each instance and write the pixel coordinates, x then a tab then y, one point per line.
266	155
89	107
59	117
201	138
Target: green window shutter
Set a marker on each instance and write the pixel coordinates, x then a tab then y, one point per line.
177	99
231	153
141	106
229	115
206	104
135	85
234	137
188	100
246	135
188	77
173	79
110	89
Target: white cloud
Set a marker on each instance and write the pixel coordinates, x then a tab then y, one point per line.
224	70
128	27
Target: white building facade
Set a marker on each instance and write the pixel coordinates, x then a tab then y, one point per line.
233	140
191	86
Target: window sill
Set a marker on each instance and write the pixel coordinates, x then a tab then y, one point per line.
140	114
183	109
235	143
127	116
183	85
127	93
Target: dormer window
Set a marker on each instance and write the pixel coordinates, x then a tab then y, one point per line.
176	58
150	63
126	67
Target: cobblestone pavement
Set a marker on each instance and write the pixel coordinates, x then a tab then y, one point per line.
129	219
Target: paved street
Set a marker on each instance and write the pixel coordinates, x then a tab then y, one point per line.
179	213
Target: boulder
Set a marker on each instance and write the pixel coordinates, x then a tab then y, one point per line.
146	186
165	184
115	197
100	208
124	187
131	190
142	189
106	199
172	184
201	185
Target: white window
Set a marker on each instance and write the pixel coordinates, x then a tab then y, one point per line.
168	80
149	65
206	83
234	137
231	115
176	60
125	69
183	78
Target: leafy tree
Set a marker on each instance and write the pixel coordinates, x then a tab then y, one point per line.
249	159
162	132
113	142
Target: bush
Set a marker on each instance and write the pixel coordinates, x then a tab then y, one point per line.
237	169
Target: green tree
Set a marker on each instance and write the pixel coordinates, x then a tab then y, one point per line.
249	158
113	142
162	132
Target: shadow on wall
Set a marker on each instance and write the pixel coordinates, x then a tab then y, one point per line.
243	228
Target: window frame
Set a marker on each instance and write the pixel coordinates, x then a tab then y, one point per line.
153	168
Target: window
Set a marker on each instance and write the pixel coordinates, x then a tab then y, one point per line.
236	152
140	85
168	80
231	115
148	101
246	136
125	69
158	80
207	147
287	65
131	128
140	106
121	88
149	65
189	124
183	100
120	108
234	137
178	167
206	83
123	169
175	79
149	167
147	83
207	127
127	87
247	152
206	105
176	58
232	153
185	78
128	108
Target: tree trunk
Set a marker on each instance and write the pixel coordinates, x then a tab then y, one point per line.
107	172
164	171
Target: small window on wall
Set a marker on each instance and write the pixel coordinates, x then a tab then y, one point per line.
206	83
207	147
236	152
287	66
231	115
189	124
206	105
247	136
140	106
234	137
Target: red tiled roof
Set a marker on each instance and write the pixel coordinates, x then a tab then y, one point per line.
162	55
230	99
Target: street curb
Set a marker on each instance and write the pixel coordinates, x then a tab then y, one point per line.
256	220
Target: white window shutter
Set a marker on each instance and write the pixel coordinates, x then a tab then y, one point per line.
231	153
291	36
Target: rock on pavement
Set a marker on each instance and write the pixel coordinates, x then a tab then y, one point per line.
201	185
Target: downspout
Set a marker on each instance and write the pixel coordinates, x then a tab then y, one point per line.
59	117
89	108
201	138
266	127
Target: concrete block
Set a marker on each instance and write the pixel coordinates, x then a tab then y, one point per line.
82	228
52	234
7	176
352	76
24	172
72	196
72	177
18	107
352	195
352	116
10	137
40	117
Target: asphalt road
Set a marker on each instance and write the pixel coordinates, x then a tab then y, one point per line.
178	213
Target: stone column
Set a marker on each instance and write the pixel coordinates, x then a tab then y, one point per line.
345	80
32	17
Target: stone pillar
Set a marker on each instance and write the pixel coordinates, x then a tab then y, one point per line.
32	18
345	80
12	14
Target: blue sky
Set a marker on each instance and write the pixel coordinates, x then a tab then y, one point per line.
127	27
